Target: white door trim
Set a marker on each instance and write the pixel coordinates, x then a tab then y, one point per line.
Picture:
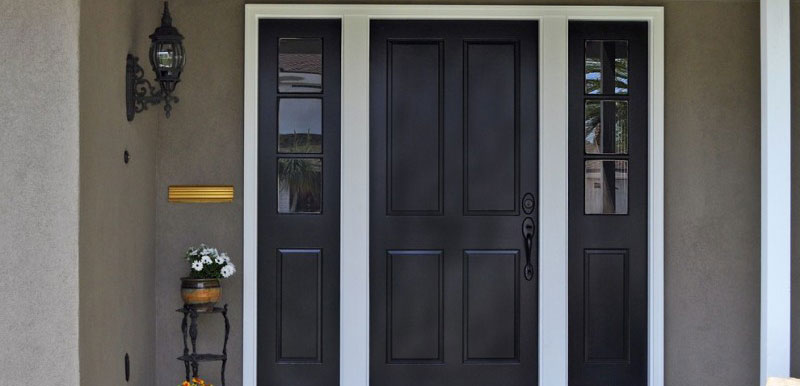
553	194
354	274
776	194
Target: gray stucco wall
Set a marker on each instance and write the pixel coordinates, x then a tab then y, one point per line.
39	184
201	144
117	201
712	251
712	182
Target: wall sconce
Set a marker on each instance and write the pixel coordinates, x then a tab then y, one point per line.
167	57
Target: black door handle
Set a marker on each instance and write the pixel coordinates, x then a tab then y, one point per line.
528	231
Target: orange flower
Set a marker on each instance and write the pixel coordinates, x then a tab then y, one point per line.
186	383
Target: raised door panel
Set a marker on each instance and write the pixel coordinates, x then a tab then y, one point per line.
491	127
415	127
299	301
491	306
606	304
414	304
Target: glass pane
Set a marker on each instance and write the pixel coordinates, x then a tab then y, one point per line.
601	58
165	55
300	65
593	68
300	125
606	187
606	127
299	185
620	67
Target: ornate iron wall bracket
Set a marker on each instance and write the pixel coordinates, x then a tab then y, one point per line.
140	93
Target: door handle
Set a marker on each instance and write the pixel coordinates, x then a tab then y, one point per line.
528	231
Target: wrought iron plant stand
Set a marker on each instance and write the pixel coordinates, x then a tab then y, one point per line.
192	359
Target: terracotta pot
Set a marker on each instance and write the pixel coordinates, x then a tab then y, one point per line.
200	294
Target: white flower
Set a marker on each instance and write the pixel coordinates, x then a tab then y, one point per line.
197	266
205	260
219	260
227	270
224	257
205	252
193	251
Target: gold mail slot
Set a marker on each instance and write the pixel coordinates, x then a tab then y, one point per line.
178	193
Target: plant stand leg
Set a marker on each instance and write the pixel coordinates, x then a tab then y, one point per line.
185	345
225	344
222	375
193	335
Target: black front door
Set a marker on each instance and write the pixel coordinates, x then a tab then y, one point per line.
298	202
453	210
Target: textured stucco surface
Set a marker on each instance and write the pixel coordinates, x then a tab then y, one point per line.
201	143
39	185
712	182
117	212
712	255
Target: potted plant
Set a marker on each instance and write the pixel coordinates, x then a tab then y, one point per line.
201	289
195	382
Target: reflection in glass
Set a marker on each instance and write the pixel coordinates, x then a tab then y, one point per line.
606	187
606	127
601	58
300	65
300	125
593	68
621	68
299	185
165	55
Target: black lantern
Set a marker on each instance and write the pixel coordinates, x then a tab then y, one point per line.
167	58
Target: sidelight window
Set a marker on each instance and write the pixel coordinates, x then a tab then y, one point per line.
606	184
300	128
606	67
300	125
299	185
606	127
606	102
300	65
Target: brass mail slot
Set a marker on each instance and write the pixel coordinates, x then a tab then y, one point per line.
178	193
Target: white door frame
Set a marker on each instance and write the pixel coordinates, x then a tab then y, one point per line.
553	217
776	192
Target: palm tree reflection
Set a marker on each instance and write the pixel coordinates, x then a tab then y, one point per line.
299	185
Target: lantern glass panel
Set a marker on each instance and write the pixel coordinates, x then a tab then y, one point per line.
180	58
165	56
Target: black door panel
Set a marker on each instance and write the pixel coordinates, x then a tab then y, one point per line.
453	150
298	202
608	104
